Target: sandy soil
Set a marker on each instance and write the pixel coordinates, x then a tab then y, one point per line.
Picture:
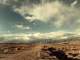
33	52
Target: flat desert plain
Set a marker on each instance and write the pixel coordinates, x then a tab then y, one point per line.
38	51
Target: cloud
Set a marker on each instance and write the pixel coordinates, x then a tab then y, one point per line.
23	27
74	3
25	38
56	15
37	35
44	11
19	26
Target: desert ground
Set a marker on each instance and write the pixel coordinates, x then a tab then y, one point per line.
39	51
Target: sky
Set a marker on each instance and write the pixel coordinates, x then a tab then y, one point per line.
29	20
40	17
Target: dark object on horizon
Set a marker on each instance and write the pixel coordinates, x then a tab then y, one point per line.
59	54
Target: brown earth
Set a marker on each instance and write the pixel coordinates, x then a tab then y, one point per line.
35	52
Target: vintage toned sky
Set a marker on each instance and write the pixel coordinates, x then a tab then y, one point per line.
46	16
